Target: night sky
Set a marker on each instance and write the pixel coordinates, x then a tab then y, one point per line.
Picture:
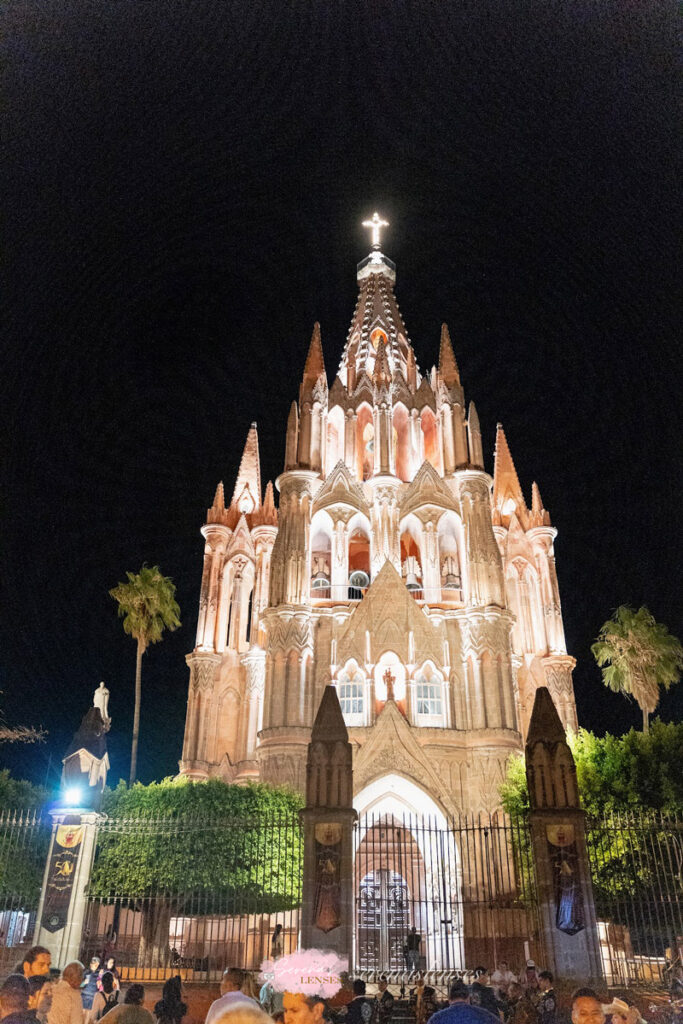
183	187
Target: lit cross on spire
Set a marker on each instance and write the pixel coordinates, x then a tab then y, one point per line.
376	225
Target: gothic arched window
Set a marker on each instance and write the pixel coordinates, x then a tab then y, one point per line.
429	697
351	693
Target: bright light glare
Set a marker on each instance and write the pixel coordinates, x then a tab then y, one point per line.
72	796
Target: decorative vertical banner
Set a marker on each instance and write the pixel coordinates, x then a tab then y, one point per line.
327	906
61	873
569	915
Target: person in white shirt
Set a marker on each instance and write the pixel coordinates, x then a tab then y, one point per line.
231	983
67	1006
501	979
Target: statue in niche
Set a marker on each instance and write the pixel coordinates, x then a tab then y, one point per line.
101	702
327	906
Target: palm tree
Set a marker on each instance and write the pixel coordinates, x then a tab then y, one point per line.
637	656
147	606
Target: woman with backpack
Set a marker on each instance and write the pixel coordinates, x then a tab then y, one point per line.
105	1000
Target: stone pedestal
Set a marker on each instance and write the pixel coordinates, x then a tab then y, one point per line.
328	903
565	892
63	900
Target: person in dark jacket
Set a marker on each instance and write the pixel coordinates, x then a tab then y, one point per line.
360	1010
171	1009
481	993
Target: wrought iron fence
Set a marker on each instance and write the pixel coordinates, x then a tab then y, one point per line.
193	895
637	871
466	886
24	844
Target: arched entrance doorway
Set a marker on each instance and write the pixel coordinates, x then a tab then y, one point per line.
407	875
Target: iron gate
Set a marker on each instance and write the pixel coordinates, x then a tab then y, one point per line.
466	887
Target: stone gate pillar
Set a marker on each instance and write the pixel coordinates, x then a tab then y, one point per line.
565	891
328	897
63	899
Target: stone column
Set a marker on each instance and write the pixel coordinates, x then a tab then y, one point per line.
60	929
562	868
328	898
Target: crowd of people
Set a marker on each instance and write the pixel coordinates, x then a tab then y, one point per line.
34	994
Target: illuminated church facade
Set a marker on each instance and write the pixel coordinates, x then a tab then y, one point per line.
395	568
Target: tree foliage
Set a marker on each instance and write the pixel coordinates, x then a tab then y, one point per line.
637	656
635	772
24	841
202	846
148	607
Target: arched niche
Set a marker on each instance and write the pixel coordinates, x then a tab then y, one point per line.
359	555
321	554
430	438
390	662
365	442
335	437
411	553
451	544
403	456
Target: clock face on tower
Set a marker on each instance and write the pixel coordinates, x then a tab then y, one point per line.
377	336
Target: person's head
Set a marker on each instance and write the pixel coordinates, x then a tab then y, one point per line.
172	989
73	973
622	1012
35	990
37	960
110	963
545	980
358	987
244	1013
232	980
586	1007
94	963
481	975
107	982
413	930
458	993
382	984
14	995
278	929
302	1009
503	966
514	991
420	980
135	996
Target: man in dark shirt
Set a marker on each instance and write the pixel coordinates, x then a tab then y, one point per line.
14	993
385	1002
547	1005
481	993
360	1010
459	1010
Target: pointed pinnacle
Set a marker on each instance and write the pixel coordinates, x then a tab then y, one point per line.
381	372
536	500
448	368
249	474
269	500
219	498
315	363
472	417
505	479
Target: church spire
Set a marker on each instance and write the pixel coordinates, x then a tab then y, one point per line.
448	368
377	318
247	494
506	486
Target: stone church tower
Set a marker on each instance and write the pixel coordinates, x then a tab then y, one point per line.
395	569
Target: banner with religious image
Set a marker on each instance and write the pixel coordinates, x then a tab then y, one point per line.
61	873
564	857
327	906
